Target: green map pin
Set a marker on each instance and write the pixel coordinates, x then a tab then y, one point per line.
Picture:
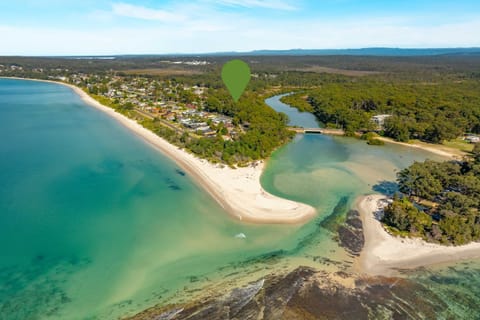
236	76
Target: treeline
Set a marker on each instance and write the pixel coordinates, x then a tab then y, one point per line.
424	67
265	129
433	111
441	201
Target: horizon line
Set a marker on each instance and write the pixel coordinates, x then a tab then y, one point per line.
250	52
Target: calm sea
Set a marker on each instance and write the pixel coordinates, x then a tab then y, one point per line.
94	223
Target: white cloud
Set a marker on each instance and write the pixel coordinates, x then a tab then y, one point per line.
267	4
237	33
143	13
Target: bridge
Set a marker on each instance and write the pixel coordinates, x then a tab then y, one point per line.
335	132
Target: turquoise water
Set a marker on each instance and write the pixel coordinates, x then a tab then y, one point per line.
94	223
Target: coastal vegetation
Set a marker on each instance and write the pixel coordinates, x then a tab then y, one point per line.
265	131
429	111
372	139
439	201
262	129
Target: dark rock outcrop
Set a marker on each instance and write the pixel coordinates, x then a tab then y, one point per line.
350	235
308	294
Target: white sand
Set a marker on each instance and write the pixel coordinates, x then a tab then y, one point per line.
237	190
383	253
441	151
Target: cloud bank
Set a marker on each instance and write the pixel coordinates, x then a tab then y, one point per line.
203	26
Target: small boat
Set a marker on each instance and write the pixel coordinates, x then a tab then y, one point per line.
241	235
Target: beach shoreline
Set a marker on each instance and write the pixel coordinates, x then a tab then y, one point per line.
453	154
238	191
384	254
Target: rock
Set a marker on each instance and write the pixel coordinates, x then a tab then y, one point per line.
350	235
308	294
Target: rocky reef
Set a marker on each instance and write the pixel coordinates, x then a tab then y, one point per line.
350	234
305	293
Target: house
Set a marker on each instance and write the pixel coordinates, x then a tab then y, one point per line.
198	90
186	122
170	116
206	131
210	133
472	138
379	120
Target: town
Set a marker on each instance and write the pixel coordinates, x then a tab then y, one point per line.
177	106
173	104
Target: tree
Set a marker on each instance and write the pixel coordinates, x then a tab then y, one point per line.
397	129
418	181
441	130
404	216
453	189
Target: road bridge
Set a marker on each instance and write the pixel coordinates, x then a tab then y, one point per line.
336	132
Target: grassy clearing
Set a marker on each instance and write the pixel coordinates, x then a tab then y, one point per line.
162	72
320	69
459	144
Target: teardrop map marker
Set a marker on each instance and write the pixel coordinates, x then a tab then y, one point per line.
236	76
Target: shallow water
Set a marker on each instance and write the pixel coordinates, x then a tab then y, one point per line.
91	216
94	223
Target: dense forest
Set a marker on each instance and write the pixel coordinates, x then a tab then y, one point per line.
413	67
440	202
431	111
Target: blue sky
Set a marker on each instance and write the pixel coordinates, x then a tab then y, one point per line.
87	27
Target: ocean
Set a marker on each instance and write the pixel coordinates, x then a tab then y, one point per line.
95	223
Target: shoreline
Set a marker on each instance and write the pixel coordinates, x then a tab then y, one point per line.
384	254
453	154
238	191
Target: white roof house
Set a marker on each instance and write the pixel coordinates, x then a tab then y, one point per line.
380	119
472	139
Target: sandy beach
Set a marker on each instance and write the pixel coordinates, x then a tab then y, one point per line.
238	191
436	149
384	253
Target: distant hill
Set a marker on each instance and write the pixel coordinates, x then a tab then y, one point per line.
385	52
405	52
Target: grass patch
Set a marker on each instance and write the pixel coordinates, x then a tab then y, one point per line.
163	72
459	144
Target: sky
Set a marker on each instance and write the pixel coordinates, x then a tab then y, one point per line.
109	27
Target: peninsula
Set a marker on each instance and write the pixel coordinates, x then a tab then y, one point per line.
384	253
433	220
